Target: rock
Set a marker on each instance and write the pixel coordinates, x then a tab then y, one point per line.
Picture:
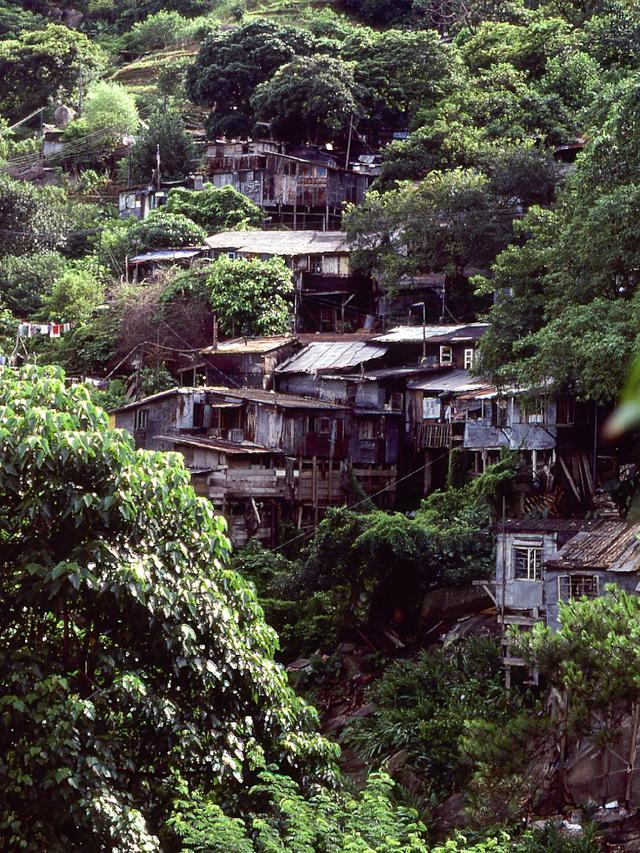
397	761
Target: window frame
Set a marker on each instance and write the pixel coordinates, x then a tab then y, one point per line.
448	350
534	554
469	358
141	420
578	576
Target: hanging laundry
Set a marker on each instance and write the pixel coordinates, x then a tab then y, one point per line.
23	330
44	328
55	330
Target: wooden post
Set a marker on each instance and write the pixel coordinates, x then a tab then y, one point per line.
633	752
314	489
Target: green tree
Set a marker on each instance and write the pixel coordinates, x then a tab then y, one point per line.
251	297
157	31
160	230
289	822
26	279
399	71
166	131
215	209
593	663
574	277
311	99
44	64
130	654
231	64
446	223
75	294
32	219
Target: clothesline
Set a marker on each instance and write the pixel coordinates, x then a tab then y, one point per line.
53	330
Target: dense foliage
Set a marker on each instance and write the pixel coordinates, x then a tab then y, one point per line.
130	653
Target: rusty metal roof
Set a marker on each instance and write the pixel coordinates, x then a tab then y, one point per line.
545	525
286	243
217	444
283	401
247	346
609	546
323	356
229	395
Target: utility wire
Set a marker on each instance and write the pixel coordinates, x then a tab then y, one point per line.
308	534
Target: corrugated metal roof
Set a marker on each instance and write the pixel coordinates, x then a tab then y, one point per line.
242	346
451	380
151	399
218	444
438	334
165	255
284	401
287	243
323	356
611	546
545	525
229	395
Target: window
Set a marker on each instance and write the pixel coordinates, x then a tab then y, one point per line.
315	265
198	415
565	410
323	426
430	408
577	586
532	412
396	401
499	413
446	355
141	419
468	358
527	563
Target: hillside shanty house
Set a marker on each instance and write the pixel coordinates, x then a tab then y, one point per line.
554	435
139	200
607	553
540	562
335	370
302	187
328	295
245	482
311	436
240	362
148	264
434	345
436	414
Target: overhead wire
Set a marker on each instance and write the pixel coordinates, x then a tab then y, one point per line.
307	534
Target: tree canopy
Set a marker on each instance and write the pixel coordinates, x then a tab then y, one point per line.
250	297
230	64
130	654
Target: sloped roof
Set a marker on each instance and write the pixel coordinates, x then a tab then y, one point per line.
327	355
610	546
242	346
218	444
286	243
229	395
165	255
449	380
284	401
433	334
